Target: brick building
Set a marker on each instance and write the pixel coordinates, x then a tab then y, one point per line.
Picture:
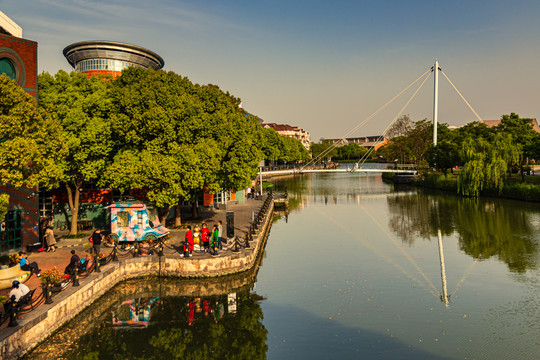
18	60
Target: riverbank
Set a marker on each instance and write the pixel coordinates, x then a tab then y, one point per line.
39	323
516	190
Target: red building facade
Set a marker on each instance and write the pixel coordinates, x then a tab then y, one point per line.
18	60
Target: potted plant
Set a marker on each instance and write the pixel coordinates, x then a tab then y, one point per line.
102	259
14	259
55	276
4	262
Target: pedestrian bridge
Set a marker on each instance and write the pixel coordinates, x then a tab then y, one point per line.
336	170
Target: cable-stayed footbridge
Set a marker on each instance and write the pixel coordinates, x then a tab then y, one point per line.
359	166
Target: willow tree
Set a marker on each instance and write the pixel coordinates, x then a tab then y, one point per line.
486	163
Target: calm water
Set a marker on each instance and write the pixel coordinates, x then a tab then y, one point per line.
352	272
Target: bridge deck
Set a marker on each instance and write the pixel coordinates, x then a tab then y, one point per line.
359	170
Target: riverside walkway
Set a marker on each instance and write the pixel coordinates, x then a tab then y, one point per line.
36	324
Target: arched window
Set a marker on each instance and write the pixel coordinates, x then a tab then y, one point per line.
6	67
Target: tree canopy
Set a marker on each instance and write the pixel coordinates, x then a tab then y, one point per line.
32	142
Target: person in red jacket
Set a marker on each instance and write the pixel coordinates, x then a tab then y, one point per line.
189	240
205	235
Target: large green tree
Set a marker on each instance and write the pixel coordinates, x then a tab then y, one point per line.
82	105
195	138
31	144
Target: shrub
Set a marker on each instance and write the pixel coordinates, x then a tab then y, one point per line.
55	275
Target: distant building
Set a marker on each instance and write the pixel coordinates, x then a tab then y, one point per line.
109	57
291	131
368	142
493	123
18	60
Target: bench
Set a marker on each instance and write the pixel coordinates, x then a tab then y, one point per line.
12	311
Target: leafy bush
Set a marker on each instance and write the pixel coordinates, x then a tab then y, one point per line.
4	260
55	275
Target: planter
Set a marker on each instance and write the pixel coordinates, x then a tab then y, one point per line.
102	262
12	273
56	288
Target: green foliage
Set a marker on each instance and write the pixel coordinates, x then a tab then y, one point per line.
31	140
350	151
4	202
176	138
486	163
318	149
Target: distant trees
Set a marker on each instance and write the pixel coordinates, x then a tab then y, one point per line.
486	155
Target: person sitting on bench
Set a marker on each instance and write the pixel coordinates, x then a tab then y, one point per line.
74	262
26	266
18	290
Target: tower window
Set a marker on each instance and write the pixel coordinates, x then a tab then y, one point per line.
6	67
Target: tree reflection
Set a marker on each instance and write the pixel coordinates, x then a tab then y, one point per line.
486	227
178	328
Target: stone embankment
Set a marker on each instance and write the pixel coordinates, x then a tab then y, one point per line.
40	323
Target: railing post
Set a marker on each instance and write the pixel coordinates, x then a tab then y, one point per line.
160	247
136	251
48	291
76	276
248	235
13	313
96	263
115	251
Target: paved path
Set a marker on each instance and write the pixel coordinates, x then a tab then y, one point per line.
60	258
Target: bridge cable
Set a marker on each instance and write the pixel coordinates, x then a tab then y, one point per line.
373	248
371	150
462	97
334	145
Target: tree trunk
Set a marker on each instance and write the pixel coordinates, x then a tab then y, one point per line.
73	201
163	213
195	210
177	215
522	172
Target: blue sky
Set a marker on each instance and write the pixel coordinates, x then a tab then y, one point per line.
322	65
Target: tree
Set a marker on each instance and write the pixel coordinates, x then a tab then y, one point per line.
31	140
521	132
486	163
4	202
351	151
401	127
82	105
196	137
325	150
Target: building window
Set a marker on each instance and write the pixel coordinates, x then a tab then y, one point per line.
11	236
6	67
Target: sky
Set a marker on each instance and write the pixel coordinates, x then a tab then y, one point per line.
324	66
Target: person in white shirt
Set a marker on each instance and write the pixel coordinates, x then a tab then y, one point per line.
19	290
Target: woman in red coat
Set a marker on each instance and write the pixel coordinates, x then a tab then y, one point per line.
205	236
189	240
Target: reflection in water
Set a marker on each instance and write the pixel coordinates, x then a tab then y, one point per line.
158	325
486	227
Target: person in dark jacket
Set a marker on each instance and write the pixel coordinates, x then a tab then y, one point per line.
73	263
96	241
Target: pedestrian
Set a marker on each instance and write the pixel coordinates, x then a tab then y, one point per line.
248	192
220	234
189	241
74	262
215	240
205	235
26	266
253	191
96	241
50	239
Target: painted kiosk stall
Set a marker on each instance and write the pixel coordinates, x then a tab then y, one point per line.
132	222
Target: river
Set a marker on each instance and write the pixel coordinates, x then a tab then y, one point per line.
355	270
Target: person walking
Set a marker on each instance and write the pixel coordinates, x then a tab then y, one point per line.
50	239
97	236
220	234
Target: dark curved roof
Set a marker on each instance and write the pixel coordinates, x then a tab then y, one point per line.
104	49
